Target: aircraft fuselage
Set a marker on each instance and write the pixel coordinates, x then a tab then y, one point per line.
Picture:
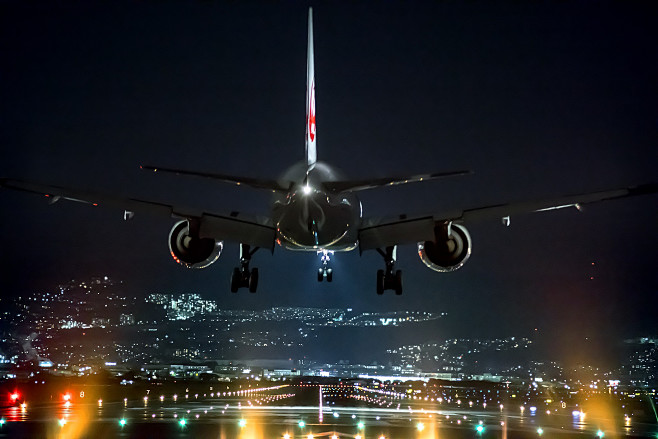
309	217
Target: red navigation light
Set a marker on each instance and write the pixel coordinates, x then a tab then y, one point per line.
67	397
14	396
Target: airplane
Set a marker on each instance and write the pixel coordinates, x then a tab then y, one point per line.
316	209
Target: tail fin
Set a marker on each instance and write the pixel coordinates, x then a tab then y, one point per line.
311	152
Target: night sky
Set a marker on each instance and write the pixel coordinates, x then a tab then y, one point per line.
537	98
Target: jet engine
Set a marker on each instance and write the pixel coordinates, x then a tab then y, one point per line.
191	251
450	249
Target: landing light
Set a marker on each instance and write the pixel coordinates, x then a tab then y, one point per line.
306	189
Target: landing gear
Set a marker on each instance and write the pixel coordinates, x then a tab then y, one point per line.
325	271
389	279
242	276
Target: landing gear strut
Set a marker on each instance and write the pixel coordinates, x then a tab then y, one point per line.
325	271
242	276
389	279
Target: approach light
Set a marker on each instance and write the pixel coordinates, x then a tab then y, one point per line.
242	423
301	424
182	422
122	422
480	429
540	431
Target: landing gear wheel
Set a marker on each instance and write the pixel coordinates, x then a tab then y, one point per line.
380	282
236	280
253	280
398	282
320	275
330	274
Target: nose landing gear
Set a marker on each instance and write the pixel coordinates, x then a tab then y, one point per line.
242	276
325	270
389	279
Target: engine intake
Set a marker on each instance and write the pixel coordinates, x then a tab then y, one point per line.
450	249
191	251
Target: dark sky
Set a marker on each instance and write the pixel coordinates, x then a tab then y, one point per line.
538	98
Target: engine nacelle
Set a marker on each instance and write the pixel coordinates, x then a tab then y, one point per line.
190	251
450	249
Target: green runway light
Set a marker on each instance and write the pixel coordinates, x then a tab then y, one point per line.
301	424
479	429
600	433
122	422
242	423
540	431
2	422
360	425
182	422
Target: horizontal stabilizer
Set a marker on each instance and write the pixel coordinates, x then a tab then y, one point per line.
360	185
247	181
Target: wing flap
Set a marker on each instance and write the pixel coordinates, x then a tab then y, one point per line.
235	227
380	233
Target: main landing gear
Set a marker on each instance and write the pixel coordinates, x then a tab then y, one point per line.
242	276
325	271
389	279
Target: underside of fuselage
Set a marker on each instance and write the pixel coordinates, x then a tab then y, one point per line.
309	217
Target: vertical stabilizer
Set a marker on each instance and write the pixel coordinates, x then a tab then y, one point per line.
311	152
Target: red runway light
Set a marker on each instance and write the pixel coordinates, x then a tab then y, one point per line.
14	396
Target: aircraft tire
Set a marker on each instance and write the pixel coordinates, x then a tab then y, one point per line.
330	275
253	280
398	282
236	278
320	275
380	282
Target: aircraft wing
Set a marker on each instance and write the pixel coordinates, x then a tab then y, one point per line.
380	233
234	227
